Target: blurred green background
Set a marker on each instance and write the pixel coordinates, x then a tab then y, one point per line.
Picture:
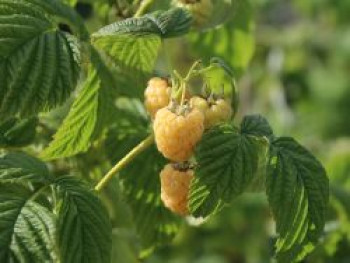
292	63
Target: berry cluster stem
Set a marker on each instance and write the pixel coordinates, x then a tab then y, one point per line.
125	161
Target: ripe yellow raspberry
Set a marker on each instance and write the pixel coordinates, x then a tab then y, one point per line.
176	135
157	95
201	10
214	112
175	186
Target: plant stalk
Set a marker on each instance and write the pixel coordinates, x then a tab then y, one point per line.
125	161
144	6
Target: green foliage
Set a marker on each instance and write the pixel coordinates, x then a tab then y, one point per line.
16	132
256	125
79	127
21	168
297	189
165	24
27	232
132	58
39	64
83	225
131	46
74	228
219	180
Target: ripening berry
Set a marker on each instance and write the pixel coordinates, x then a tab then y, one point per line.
200	104
215	112
219	111
175	186
157	95
176	135
201	10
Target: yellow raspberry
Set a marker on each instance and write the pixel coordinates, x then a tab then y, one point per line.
219	111
200	104
176	135
175	185
157	95
215	112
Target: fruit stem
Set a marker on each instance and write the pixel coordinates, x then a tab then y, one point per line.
144	6
125	161
183	95
192	70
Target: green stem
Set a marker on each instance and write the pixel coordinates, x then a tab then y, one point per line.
38	192
125	161
144	6
192	70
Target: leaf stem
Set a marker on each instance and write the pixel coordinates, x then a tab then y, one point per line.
125	161
144	6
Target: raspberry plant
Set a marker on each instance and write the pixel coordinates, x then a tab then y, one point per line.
61	211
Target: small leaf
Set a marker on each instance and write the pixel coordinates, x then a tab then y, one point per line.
227	163
84	231
22	168
15	132
85	120
256	125
297	189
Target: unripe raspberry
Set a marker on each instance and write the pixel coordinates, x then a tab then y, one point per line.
157	95
176	135
175	185
214	112
220	111
200	104
201	10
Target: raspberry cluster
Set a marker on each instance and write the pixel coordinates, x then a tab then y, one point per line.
178	127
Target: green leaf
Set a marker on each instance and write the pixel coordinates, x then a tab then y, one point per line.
236	43
84	231
297	189
60	11
165	24
26	229
39	65
140	182
16	132
21	168
132	59
256	125
227	163
85	121
131	46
